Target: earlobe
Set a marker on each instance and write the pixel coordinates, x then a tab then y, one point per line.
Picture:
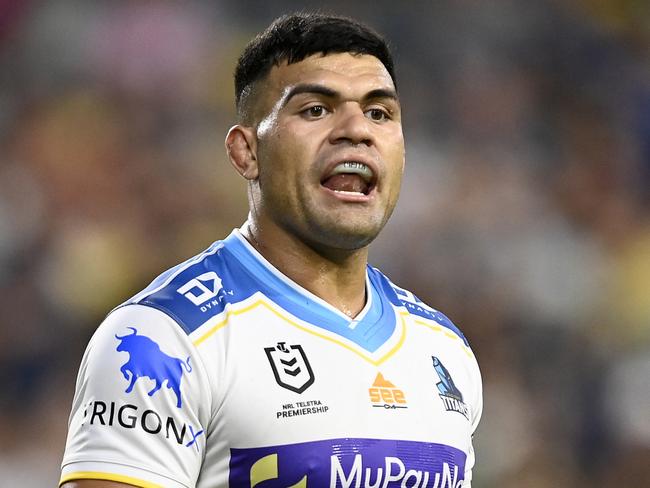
241	146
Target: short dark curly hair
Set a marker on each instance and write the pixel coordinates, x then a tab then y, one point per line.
294	37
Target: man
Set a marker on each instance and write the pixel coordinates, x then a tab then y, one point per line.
278	355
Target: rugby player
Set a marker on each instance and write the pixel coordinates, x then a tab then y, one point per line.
278	355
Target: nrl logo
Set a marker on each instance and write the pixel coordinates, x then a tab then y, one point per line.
290	367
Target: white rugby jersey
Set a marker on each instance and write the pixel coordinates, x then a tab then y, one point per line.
225	373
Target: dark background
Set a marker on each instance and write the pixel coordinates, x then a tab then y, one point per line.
524	212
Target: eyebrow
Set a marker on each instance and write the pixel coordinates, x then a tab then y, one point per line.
315	88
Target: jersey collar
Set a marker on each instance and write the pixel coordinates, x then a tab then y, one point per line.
369	329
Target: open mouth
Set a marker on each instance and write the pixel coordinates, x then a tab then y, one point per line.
351	177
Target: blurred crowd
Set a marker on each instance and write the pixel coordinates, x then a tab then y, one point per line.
524	215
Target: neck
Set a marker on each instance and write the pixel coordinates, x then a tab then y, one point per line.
336	276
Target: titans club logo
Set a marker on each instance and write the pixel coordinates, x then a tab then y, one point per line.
290	367
450	395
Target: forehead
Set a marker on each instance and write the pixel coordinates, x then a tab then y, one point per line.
352	75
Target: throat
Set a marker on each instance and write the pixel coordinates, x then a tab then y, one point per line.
338	280
354	312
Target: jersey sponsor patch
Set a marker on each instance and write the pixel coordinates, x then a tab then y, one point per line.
126	416
348	463
385	394
450	395
202	288
146	359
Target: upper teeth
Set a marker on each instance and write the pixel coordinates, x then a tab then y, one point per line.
353	167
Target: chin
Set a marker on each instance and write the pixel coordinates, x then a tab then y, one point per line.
346	237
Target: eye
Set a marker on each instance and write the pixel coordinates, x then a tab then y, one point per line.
377	114
315	112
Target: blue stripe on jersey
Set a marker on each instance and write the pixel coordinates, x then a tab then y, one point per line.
164	278
370	332
230	271
417	307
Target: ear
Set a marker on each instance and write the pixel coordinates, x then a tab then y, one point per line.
241	146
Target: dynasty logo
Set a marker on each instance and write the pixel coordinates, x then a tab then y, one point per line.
205	291
451	396
384	394
202	288
290	367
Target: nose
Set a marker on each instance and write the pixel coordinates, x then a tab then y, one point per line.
352	126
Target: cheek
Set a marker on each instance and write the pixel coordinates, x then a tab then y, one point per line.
396	175
283	147
278	177
396	158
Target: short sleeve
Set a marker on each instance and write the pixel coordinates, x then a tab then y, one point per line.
141	406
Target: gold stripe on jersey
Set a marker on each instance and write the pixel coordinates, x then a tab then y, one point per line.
447	333
95	475
278	313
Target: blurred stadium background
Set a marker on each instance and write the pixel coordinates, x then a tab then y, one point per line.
524	213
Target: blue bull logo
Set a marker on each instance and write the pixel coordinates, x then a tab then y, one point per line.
146	359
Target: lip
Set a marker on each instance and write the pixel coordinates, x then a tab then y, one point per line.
360	158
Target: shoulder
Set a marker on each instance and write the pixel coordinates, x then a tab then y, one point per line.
139	326
461	360
190	292
402	297
141	384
